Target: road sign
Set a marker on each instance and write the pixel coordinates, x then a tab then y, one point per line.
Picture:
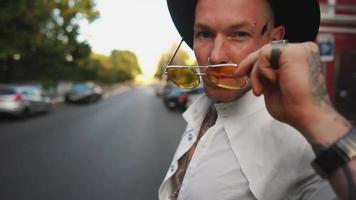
326	47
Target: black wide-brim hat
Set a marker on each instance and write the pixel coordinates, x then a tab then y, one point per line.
301	18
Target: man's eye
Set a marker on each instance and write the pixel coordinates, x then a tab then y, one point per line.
204	34
240	35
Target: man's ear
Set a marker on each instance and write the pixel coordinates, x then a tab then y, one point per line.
278	33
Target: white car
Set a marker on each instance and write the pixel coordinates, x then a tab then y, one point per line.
23	100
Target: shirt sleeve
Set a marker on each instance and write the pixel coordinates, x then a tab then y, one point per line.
310	186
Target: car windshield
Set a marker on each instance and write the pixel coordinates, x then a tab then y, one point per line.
80	88
28	90
6	91
176	92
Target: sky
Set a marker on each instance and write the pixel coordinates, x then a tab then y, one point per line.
141	26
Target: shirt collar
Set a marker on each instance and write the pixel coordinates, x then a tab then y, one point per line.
243	107
195	114
246	105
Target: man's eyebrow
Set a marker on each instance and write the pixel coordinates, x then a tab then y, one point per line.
201	26
242	25
237	25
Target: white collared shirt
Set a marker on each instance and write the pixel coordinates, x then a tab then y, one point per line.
246	155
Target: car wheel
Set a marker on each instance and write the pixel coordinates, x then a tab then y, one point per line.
184	107
48	109
25	113
171	105
94	99
67	100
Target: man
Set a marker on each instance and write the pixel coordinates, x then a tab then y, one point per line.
303	102
232	148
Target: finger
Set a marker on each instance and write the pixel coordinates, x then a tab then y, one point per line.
266	71
275	51
256	81
247	64
264	67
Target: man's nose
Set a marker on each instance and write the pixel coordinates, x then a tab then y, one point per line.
219	54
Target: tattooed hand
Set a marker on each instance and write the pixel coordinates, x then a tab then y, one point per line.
296	92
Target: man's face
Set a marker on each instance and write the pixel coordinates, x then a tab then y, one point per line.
226	31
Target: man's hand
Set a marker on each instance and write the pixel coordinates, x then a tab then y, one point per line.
295	93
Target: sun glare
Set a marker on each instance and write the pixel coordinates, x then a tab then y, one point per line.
148	34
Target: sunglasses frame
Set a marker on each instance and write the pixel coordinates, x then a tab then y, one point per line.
198	67
196	72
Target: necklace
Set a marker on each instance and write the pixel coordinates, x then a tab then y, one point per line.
209	121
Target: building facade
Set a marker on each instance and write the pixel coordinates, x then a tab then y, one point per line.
337	42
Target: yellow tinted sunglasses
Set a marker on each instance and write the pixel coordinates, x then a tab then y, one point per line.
188	77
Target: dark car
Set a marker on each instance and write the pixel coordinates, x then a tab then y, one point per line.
159	89
164	89
84	93
193	95
180	99
23	100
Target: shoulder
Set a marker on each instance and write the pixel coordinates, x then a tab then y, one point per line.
270	152
259	134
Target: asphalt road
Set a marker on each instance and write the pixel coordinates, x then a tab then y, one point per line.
119	148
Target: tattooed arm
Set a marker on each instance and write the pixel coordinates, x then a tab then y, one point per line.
296	94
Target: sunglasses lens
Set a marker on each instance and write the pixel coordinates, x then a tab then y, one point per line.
221	76
183	77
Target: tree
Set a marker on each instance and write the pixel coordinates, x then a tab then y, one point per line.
125	64
181	58
38	39
118	67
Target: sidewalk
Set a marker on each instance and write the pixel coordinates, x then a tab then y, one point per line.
108	91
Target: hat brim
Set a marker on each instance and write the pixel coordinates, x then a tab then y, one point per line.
301	18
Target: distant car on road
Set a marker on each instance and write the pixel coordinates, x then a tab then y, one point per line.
23	100
162	89
84	93
176	98
193	95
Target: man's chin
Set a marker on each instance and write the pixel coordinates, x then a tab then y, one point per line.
218	94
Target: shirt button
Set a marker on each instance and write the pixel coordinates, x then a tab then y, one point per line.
191	166
172	168
190	137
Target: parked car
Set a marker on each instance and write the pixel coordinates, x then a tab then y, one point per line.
84	93
158	88
23	100
176	98
167	89
162	89
193	95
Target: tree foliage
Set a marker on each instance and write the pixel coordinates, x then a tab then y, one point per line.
125	63
181	58
119	66
38	39
39	42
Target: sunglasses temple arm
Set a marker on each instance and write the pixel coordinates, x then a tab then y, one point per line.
164	75
171	60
